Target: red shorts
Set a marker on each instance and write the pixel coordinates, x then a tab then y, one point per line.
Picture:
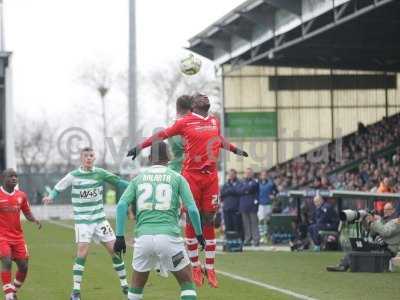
205	190
17	250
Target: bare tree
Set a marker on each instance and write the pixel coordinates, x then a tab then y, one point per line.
100	78
35	142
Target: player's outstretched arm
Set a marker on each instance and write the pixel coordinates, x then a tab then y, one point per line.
232	148
228	146
62	185
175	129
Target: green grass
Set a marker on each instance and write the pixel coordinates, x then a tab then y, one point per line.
52	252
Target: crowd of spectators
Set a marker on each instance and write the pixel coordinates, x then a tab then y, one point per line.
369	175
364	144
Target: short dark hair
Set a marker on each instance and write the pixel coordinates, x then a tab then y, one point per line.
7	171
159	152
86	149
184	103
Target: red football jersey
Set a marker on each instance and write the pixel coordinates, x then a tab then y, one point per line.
10	209
203	141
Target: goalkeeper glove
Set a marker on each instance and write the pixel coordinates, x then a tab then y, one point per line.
201	241
120	245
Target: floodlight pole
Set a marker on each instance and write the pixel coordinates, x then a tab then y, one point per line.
2	47
8	114
132	76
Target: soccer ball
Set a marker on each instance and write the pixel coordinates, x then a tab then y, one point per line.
190	65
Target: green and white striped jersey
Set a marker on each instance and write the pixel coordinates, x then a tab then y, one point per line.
87	193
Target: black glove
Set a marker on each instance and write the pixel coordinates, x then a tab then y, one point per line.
120	245
241	152
201	241
133	152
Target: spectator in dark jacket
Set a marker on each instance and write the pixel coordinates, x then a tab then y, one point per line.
230	203
267	190
325	218
248	207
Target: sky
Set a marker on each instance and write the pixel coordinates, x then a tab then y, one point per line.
53	40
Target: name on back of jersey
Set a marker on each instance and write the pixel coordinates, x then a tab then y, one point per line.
157	178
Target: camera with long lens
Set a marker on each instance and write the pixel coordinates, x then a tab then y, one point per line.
349	215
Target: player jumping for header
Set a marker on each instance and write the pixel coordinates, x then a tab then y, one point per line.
90	219
203	141
156	194
12	243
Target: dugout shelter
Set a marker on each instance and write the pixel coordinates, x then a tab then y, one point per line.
340	197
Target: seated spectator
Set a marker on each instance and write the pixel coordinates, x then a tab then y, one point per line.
317	183
361	128
230	203
325	184
325	218
384	187
248	207
340	183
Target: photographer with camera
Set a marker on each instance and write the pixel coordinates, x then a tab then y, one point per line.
386	231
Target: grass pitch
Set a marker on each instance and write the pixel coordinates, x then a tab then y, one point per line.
52	251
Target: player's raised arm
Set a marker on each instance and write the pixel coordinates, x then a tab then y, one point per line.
62	185
190	205
26	210
175	129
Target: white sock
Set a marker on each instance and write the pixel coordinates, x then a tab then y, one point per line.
132	296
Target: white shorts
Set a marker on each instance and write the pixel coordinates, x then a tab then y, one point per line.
152	250
100	232
264	212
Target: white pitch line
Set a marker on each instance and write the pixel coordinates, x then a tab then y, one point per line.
230	275
266	286
61	224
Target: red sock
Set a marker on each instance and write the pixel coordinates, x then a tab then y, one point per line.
211	243
192	244
19	279
8	288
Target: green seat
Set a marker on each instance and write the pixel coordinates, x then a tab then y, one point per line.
281	223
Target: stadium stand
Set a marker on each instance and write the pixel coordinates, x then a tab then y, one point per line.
365	157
